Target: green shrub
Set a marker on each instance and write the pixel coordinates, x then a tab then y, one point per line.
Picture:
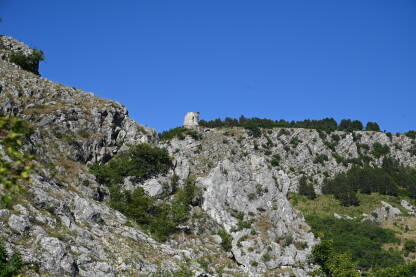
9	266
29	63
160	220
275	160
321	159
380	150
288	240
412	150
408	270
364	240
295	141
306	188
15	170
141	162
372	126
226	240
179	132
253	129
410	134
410	245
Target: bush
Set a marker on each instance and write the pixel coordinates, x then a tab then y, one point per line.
380	150
17	168
364	240
29	63
410	134
333	264
306	189
275	160
412	150
160	219
372	126
408	270
179	132
321	159
410	245
226	240
141	162
9	266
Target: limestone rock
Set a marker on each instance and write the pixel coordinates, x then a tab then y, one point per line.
410	209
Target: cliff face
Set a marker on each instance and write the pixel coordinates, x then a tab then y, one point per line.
62	224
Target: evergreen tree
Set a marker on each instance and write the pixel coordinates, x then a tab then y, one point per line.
372	126
306	189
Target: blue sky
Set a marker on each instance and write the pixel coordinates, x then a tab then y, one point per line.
290	60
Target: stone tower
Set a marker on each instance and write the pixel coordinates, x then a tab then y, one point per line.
191	120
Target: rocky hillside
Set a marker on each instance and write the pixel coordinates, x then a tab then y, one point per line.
240	223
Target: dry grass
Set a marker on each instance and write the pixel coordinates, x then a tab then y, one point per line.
264	224
328	205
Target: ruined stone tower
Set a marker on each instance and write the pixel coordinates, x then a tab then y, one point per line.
191	120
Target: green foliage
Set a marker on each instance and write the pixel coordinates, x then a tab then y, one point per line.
13	172
295	141
363	240
389	179
275	160
410	245
372	126
410	134
326	124
321	159
226	240
380	150
412	150
350	125
306	188
253	129
408	270
29	63
180	133
141	162
9	266
160	220
333	264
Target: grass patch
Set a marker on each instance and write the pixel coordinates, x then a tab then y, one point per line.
326	204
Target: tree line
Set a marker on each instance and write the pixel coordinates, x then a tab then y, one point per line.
326	124
391	178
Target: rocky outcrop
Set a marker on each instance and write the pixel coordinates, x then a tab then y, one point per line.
91	128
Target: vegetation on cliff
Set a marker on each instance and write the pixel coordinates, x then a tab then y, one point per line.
142	162
9	265
326	124
390	179
15	165
28	62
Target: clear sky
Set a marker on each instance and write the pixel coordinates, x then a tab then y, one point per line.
292	59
